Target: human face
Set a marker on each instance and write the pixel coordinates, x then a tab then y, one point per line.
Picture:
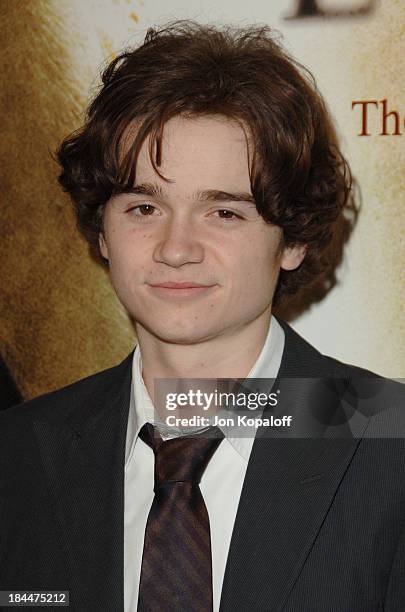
201	228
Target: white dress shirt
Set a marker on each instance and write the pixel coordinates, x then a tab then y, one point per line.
221	483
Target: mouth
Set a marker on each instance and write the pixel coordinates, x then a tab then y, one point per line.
180	290
182	285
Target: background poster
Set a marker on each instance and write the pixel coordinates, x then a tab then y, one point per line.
60	320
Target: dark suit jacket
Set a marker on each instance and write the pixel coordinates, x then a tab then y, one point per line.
320	524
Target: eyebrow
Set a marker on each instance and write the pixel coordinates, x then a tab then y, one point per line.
208	195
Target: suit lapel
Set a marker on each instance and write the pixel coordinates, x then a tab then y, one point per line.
83	461
288	489
289	486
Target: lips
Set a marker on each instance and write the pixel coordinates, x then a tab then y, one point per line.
182	285
184	290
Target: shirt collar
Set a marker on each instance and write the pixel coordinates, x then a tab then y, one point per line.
141	408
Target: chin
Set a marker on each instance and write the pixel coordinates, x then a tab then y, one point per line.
179	333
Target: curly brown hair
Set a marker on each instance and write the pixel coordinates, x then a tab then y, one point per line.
299	178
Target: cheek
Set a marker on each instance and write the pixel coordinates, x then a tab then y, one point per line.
257	268
122	267
126	250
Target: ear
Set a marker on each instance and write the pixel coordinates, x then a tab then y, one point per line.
103	245
293	256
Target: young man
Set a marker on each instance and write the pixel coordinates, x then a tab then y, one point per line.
207	177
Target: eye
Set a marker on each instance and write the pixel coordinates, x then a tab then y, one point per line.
142	210
226	214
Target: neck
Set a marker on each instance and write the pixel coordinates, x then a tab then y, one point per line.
231	355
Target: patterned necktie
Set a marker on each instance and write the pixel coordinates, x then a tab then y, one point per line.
176	573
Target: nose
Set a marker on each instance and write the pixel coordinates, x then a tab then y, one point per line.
178	245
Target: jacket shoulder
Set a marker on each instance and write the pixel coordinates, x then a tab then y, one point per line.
56	406
301	359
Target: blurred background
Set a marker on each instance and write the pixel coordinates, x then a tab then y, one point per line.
60	320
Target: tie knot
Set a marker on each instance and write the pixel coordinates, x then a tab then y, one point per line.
181	459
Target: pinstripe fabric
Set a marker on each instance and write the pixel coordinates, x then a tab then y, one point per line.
176	572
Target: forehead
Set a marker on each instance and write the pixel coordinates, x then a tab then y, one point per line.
204	152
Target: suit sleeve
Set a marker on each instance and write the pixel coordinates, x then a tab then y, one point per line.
395	595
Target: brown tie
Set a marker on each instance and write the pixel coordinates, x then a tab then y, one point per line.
176	573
